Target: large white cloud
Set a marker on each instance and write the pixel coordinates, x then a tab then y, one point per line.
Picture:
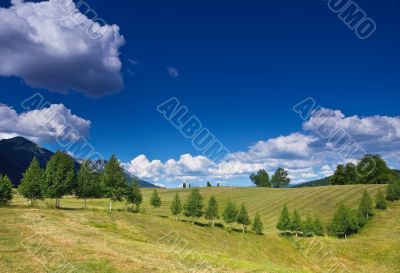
52	45
306	155
55	122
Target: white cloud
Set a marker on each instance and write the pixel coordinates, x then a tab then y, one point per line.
173	72
47	124
306	155
51	45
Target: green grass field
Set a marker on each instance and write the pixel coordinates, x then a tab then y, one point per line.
41	238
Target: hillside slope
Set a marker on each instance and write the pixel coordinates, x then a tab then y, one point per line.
121	242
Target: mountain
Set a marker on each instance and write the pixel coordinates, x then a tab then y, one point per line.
17	153
98	165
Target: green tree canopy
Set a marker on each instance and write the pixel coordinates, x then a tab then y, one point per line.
318	227
114	180
59	176
284	220
258	226
295	223
372	169
176	206
134	195
280	178
261	179
6	190
31	186
365	206
243	217
212	212
308	226
393	191
230	213
194	204
380	201
155	200
85	183
339	177
209	184
344	222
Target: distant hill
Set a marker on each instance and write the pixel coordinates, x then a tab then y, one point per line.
315	183
17	153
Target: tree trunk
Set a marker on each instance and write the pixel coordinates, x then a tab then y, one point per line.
345	235
176	218
29	202
213	223
296	234
244	229
85	204
110	205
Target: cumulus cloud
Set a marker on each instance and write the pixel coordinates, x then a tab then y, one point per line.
173	72
307	155
52	45
43	125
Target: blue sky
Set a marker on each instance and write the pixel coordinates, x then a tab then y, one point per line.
239	66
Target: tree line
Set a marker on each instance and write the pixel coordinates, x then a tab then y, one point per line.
194	208
370	169
59	178
345	221
279	179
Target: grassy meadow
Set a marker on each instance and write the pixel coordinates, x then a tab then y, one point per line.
41	238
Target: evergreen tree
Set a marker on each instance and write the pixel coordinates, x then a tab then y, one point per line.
308	227
176	206
380	201
31	186
155	200
209	184
344	222
261	179
134	195
318	227
258	226
114	180
230	213
85	183
6	190
194	204
59	176
393	191
184	185
295	223
280	178
284	220
365	206
243	218
212	212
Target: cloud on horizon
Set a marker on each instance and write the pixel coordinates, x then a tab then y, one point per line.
49	124
52	45
307	155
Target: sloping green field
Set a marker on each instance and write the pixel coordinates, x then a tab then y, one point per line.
39	239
